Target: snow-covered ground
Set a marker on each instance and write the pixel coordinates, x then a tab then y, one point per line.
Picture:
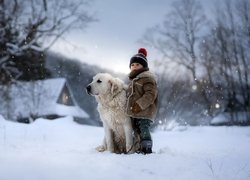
64	150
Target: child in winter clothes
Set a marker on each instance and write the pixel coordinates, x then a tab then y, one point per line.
142	98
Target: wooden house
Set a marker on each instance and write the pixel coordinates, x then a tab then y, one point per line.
50	99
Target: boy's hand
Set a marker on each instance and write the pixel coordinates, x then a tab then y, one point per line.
136	108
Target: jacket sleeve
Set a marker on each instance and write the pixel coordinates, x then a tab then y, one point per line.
148	98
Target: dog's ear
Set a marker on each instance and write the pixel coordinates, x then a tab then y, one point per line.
114	86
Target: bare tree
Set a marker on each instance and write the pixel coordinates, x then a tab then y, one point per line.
178	40
237	24
243	18
225	54
33	26
217	56
182	31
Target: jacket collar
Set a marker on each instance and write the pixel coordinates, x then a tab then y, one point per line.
145	74
134	74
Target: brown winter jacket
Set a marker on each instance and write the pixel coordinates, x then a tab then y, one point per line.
143	91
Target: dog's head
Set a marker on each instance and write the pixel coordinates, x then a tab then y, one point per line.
103	84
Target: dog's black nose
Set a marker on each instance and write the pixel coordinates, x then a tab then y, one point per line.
88	89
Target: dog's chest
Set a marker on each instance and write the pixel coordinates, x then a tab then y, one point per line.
111	115
112	111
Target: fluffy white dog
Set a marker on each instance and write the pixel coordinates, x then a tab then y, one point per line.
110	94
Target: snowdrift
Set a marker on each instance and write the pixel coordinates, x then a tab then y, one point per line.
62	149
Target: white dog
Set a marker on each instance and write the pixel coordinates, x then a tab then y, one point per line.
110	94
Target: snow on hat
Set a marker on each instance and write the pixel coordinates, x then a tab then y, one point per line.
140	57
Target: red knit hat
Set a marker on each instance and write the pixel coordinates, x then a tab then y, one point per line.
140	57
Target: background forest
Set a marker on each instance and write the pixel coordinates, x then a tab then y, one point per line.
202	68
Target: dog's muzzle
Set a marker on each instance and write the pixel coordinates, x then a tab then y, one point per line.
88	89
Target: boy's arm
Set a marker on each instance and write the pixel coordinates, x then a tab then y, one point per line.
150	89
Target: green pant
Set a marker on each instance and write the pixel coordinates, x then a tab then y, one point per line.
142	127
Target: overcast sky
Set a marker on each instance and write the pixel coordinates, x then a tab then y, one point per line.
111	42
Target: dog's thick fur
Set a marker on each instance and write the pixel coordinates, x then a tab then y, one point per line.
110	94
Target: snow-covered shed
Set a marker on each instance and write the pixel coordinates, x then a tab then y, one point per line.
50	98
234	118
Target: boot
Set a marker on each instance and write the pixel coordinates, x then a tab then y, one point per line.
146	146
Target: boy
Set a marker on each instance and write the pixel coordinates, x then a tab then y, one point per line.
142	98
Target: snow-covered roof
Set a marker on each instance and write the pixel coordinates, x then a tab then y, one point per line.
227	117
38	98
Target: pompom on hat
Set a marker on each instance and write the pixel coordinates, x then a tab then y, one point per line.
140	57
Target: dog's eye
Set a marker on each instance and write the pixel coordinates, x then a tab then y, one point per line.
99	81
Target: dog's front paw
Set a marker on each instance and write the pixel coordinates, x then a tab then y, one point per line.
100	148
111	149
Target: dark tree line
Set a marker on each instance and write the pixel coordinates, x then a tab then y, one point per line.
215	52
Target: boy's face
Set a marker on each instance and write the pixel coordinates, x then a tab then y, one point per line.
135	66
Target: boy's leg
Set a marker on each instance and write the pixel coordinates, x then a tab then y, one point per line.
135	125
146	140
143	125
136	134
